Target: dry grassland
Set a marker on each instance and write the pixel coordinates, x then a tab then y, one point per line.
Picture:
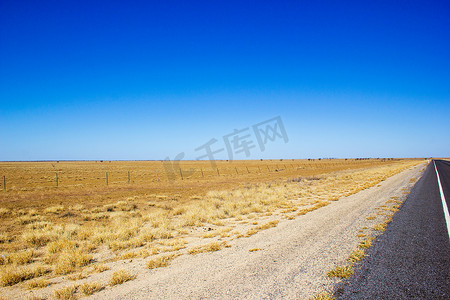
85	227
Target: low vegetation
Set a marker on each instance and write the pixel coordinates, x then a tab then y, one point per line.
75	229
161	261
120	277
37	283
341	272
323	296
211	247
89	288
356	256
65	293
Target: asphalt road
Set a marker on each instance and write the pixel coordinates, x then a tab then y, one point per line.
411	260
443	168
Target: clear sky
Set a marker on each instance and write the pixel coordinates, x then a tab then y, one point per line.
152	79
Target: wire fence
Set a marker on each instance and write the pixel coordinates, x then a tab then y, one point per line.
109	178
25	177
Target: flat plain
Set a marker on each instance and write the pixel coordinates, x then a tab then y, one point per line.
68	227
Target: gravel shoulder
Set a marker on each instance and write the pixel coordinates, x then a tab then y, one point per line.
411	260
292	262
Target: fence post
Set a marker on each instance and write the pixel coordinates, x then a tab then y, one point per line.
202	171
248	170
56	179
181	174
157	175
218	172
106	178
236	170
4	183
268	168
128	176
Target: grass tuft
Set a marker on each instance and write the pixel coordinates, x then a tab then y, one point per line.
90	288
11	275
356	256
161	261
100	268
76	277
323	296
120	277
65	293
211	247
380	227
367	243
37	283
341	272
254	249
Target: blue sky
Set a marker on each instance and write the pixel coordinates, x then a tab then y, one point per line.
151	79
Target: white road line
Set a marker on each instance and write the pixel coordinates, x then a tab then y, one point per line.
444	203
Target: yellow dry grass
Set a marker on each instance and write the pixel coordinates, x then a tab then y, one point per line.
120	277
75	277
323	296
161	261
211	247
37	283
367	243
99	268
65	293
341	272
380	227
89	288
356	256
11	274
58	229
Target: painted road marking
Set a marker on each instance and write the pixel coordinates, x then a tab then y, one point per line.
444	203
